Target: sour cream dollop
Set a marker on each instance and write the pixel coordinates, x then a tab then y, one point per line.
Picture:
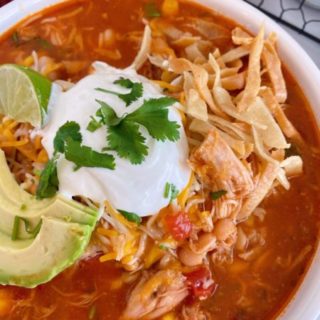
133	188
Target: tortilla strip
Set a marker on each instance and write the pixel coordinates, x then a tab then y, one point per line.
201	78
218	166
235	82
262	188
253	81
144	51
273	65
241	37
235	54
271	102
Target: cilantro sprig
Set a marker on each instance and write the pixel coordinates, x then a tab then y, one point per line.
68	141
130	216
215	195
136	90
170	191
124	135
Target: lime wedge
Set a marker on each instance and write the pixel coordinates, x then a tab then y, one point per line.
24	94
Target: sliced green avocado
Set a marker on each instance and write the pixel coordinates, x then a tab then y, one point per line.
57	246
29	256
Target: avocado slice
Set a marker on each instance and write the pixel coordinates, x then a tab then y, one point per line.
65	230
57	246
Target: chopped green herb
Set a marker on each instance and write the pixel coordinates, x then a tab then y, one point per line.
127	141
134	94
83	156
43	43
130	216
125	137
151	11
16	226
23	207
37	172
153	115
48	183
107	114
174	192
170	191
167	188
163	246
70	130
94	124
92	312
16	38
217	194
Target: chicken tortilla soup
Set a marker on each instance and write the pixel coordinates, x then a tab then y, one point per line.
157	160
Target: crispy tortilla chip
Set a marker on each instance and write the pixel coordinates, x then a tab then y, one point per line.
286	126
259	147
201	78
215	67
142	55
241	37
264	184
225	103
235	54
195	105
253	81
272	136
273	65
234	82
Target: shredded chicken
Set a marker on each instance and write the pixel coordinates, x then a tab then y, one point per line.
155	294
217	165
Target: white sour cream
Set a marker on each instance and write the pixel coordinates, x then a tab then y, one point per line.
133	188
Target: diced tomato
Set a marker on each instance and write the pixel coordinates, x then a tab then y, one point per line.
201	284
178	225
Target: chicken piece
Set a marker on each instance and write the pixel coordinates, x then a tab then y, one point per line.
155	295
215	162
264	185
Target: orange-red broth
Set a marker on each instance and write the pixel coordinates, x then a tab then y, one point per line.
247	290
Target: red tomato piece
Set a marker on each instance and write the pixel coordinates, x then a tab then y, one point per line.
178	225
201	284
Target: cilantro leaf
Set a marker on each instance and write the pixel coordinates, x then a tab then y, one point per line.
83	156
135	93
94	124
170	191
127	141
70	129
130	216
217	194
107	114
151	11
153	115
48	183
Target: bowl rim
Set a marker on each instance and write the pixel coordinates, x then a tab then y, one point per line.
304	302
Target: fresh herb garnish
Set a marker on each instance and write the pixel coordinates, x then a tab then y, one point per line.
124	135
136	90
130	216
217	194
151	11
48	183
16	38
27	225
170	191
163	246
83	156
127	141
23	207
94	124
70	130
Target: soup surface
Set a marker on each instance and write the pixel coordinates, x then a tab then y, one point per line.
281	235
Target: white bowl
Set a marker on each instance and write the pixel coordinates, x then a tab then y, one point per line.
305	305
